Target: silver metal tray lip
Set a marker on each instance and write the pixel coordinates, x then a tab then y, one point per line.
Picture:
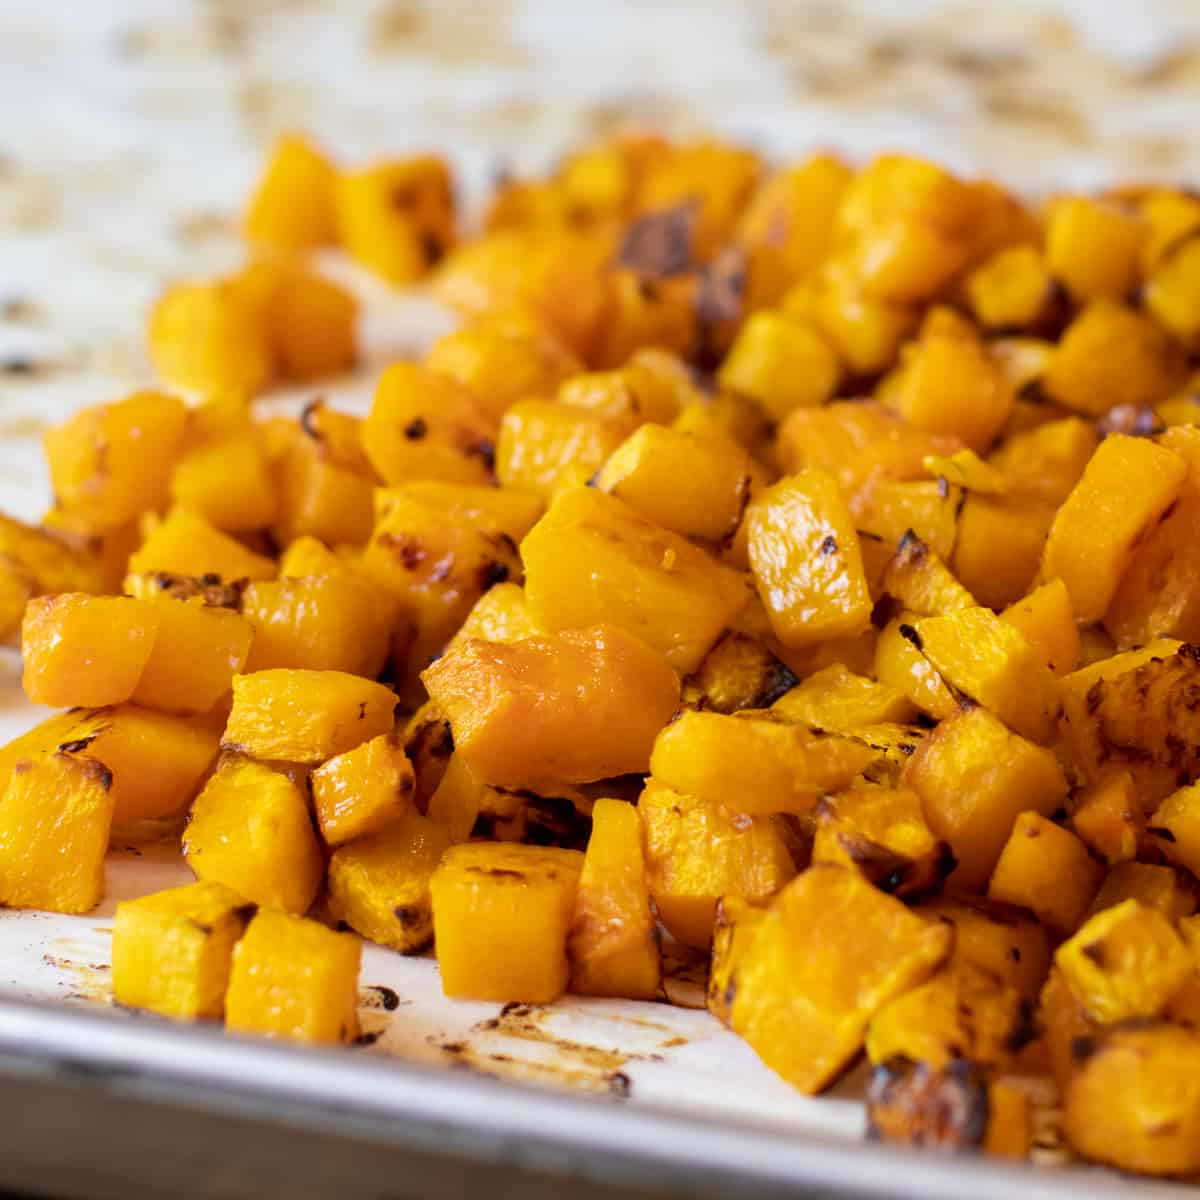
504	1123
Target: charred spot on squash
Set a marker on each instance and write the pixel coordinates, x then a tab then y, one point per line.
659	245
912	1104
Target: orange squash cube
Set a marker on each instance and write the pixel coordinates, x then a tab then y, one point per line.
999	544
806	561
697	852
1160	888
86	650
305	716
226	481
613	944
835	700
900	666
561	708
1093	248
920	581
379	884
250	830
1046	869
737	921
291	207
501	917
363	790
311	322
996	938
293	978
1047	622
1127	486
172	950
1108	817
1010	290
591	559
1176	827
974	778
184	543
55	817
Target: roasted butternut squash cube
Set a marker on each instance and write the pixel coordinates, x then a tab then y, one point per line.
697	851
86	650
914	1104
1108	817
172	950
613	944
561	708
312	323
753	762
379	884
296	979
1093	248
227	482
805	993
1172	292
55	817
733	930
112	462
974	777
963	1012
542	441
50	558
1047	622
1010	1121
692	485
1046	869
1046	462
501	614
501	917
1133	1100
990	662
1063	1022
291	207
1011	289
396	218
739	672
1128	485
1132	711
918	579
952	386
333	622
881	832
902	667
889	509
198	649
157	761
184	543
1157	887
999	543
500	367
806	561
654	386
490	510
250	830
1110	355
1175	826
425	426
780	363
305	716
212	337
16	588
1003	941
36	742
1125	962
836	700
592	559
362	790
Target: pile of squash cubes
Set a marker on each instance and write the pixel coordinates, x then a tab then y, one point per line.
800	561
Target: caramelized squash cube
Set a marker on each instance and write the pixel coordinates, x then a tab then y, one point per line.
291	207
362	790
227	482
86	650
974	777
311	323
1046	869
752	762
1047	622
561	708
294	978
697	852
55	817
379	884
501	614
918	579
739	672
805	993
781	364
501	917
900	666
542	443
806	560
836	701
1093	248
1011	290
1176	827
1158	887
305	716
592	559
157	761
184	543
1128	485
613	944
990	662
1133	1100
999	545
736	922
172	950
250	830
1108	817
321	495
112	462
1001	940
1172	292
692	485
